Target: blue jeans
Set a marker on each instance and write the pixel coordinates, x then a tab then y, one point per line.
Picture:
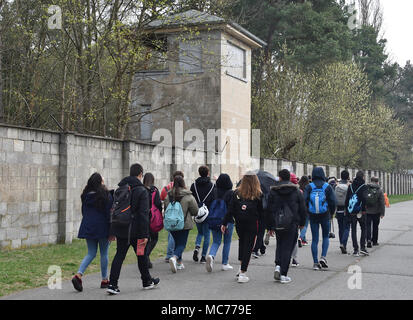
315	228
343	227
92	248
180	238
171	246
216	242
203	232
304	230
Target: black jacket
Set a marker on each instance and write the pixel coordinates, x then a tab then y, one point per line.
288	193
245	219
319	179
203	186
361	193
140	210
379	207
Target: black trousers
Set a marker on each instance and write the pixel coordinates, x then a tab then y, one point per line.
373	221
286	242
153	240
247	237
362	222
122	247
259	244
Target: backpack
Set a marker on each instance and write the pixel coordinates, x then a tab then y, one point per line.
341	194
372	196
174	219
203	209
121	212
318	200
354	204
216	214
156	224
283	218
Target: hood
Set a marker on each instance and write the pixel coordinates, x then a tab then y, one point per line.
202	180
223	184
318	174
358	182
182	192
284	188
293	178
132	181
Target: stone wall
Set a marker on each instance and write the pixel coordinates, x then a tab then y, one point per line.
43	173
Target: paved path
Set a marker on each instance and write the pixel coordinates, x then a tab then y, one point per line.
386	274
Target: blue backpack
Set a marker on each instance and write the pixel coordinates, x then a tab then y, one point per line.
354	204
318	200
174	217
216	215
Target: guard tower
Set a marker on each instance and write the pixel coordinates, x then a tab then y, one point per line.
198	77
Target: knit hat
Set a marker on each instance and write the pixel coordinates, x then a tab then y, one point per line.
293	178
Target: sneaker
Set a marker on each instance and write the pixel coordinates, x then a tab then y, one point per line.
356	253
238	273
285	279
167	260
343	249
255	255
209	263
180	266
294	263
316	266
203	260
172	263
104	284
323	262
77	283
375	244
304	242
300	243
277	273
267	239
364	252
226	267
195	256
152	284
113	290
242	278
369	245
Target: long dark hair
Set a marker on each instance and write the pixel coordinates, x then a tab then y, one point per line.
304	181
148	180
179	183
94	184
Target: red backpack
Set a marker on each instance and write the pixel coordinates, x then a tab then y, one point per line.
156	219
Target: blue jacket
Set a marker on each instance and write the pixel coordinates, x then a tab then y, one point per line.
319	179
95	223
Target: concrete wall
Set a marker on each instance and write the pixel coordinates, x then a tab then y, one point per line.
43	173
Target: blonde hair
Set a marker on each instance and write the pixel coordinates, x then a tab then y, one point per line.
250	188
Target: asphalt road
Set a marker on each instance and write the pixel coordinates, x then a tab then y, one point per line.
386	274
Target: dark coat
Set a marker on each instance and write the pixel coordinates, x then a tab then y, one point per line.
319	178
204	185
286	192
95	222
379	207
140	210
361	193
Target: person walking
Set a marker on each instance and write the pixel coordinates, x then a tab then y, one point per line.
137	230
164	194
224	194
343	219
375	209
154	204
302	239
320	200
356	209
204	191
179	193
286	214
246	209
96	204
294	256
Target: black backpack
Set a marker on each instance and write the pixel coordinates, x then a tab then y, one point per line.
121	212
283	218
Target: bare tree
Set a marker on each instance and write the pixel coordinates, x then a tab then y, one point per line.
371	13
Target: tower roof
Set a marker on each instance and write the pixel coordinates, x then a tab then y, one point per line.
198	18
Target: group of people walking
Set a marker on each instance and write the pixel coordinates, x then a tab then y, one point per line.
134	214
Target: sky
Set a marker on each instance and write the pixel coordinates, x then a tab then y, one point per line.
398	29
